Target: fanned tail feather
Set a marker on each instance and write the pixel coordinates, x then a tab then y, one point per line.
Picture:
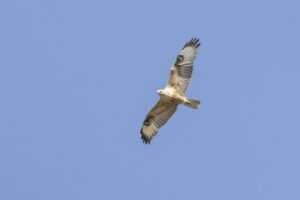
192	103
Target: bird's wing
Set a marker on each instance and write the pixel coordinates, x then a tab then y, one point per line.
181	71
156	118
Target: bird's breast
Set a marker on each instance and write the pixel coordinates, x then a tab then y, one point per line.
170	95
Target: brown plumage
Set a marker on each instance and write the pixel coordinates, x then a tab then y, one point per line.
173	94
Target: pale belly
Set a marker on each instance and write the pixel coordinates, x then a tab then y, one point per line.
172	96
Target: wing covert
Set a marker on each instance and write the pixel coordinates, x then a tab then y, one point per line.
182	69
156	118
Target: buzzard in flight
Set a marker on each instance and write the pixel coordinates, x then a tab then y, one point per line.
173	94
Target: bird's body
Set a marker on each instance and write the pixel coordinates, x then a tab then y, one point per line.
169	94
173	94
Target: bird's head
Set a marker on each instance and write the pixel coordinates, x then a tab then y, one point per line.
159	92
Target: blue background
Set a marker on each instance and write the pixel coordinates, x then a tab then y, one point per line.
78	77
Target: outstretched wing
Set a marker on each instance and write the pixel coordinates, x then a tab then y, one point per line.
182	69
156	118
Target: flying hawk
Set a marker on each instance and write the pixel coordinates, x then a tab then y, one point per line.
173	94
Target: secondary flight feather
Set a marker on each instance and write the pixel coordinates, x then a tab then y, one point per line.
173	94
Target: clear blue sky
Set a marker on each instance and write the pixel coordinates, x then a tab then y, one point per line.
78	77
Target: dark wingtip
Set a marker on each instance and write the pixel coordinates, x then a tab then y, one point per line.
145	139
194	42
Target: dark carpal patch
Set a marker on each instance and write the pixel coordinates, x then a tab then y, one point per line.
179	59
147	121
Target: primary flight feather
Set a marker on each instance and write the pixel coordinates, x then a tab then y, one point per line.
173	94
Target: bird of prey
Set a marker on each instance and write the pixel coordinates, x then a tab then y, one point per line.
173	94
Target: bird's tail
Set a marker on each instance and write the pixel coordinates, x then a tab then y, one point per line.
192	103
